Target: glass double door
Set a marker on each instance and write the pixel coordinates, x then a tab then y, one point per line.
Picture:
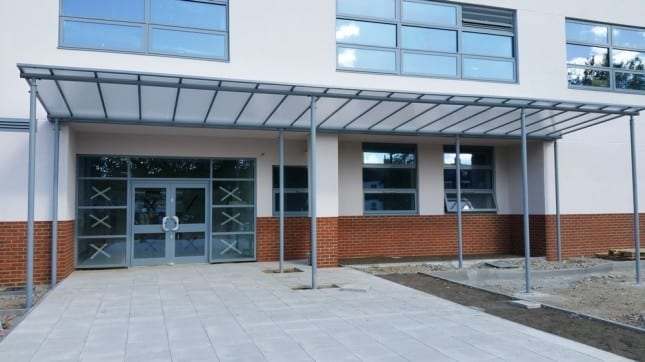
169	222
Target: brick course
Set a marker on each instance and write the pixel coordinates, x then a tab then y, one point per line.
13	252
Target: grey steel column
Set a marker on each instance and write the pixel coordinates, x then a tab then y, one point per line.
281	200
312	195
31	193
558	234
460	245
637	232
525	202
55	202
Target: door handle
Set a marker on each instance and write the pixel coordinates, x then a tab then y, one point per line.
163	223
176	227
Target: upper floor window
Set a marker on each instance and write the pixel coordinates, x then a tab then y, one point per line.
604	56
416	37
296	190
477	192
389	178
186	28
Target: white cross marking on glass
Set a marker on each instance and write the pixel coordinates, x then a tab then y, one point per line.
229	194
230	245
100	221
101	193
230	218
99	250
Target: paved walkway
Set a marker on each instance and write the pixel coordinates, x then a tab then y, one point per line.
237	312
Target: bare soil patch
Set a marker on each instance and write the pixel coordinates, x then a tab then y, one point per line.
12	309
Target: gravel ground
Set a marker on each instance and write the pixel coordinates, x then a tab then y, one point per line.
613	296
12	310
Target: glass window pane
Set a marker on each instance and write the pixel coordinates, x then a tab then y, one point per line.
294	201
149	246
470	156
487	44
128	10
295	177
628	38
149	205
159	167
102	36
102	193
471	201
470	179
389	178
429	13
234	169
190	244
365	33
101	222
390	202
588	77
429	39
364	59
586	55
233	219
102	166
628	59
190	205
425	64
191	14
374	8
101	252
488	69
630	81
389	154
188	43
588	33
228	247
233	192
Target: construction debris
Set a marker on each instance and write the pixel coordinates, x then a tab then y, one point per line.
621	254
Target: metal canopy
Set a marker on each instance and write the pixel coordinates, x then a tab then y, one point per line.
95	95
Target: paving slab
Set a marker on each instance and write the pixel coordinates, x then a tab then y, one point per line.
237	312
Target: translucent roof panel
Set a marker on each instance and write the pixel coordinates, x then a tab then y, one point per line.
193	105
83	99
80	94
157	103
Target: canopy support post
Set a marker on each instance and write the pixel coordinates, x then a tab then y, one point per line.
56	170
637	236
312	195
558	233
29	283
281	200
525	203
460	245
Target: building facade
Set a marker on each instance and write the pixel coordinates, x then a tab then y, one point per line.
141	183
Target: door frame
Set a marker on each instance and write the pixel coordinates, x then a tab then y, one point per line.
170	186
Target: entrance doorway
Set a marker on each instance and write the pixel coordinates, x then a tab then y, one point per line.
169	222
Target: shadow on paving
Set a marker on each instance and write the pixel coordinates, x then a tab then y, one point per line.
622	341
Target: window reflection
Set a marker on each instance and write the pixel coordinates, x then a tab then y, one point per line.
376	60
429	13
365	33
374	8
631	38
415	63
627	59
429	39
588	77
487	44
488	69
586	55
630	81
587	32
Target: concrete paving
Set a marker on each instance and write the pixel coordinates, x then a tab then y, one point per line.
237	312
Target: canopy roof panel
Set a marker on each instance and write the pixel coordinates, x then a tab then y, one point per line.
98	95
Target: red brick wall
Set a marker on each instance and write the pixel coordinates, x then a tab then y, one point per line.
13	252
586	235
416	235
297	240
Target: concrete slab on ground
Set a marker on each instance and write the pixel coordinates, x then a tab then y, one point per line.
232	312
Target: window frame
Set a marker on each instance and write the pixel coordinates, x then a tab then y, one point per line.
610	48
391	190
289	190
147	26
460	56
470	149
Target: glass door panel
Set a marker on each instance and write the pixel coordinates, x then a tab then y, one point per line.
189	240
150	209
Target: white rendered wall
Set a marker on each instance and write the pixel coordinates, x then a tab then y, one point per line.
292	41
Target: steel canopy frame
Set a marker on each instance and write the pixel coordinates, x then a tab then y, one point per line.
59	85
